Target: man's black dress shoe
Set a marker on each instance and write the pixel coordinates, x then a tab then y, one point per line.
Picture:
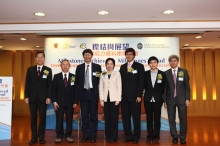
127	140
32	142
135	141
182	141
149	140
156	141
42	141
175	140
84	139
112	141
92	140
107	140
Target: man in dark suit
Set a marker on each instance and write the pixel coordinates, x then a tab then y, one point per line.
177	94
38	89
63	98
153	99
132	74
87	81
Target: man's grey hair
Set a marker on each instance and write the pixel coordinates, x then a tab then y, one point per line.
173	56
64	60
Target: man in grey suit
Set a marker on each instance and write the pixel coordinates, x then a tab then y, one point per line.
177	94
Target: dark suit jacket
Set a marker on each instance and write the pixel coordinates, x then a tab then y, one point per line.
61	95
80	77
182	87
132	84
156	91
38	86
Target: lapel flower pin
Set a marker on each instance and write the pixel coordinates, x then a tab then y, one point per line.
130	70
181	74
46	72
104	73
159	77
97	74
72	79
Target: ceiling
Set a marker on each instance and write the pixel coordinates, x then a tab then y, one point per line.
84	12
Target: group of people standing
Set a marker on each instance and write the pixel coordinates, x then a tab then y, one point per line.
111	87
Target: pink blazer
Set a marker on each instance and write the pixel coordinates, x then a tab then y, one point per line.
113	85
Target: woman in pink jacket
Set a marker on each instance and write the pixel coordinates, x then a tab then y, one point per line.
110	97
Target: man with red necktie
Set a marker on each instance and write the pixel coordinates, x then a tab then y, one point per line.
64	101
38	89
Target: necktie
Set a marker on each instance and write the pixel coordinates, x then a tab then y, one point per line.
65	81
129	65
174	79
38	72
86	82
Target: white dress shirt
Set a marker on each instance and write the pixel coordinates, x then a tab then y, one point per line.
90	73
41	66
153	75
67	75
176	69
130	64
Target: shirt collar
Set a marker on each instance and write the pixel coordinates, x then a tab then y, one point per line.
154	71
88	64
65	73
40	66
131	63
175	69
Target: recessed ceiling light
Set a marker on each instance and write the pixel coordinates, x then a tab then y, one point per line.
23	39
1	47
37	46
103	13
198	37
168	12
185	45
39	14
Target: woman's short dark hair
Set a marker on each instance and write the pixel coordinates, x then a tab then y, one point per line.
87	51
130	50
39	52
152	58
113	61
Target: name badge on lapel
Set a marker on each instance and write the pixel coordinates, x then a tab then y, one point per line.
44	76
106	76
159	81
94	73
180	79
134	71
71	83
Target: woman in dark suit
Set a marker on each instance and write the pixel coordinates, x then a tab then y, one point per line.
110	96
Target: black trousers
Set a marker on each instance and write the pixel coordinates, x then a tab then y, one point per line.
171	110
89	113
131	109
36	107
111	120
153	112
59	121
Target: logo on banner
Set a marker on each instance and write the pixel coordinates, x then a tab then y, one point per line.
83	46
55	45
68	46
0	80
139	46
